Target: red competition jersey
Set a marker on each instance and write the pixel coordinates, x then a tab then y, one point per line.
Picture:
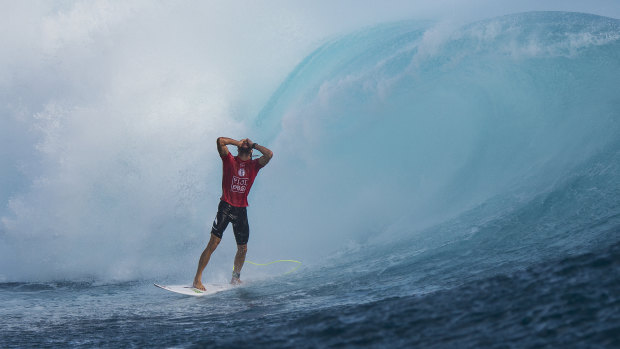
237	179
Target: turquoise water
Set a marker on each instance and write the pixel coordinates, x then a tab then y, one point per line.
445	185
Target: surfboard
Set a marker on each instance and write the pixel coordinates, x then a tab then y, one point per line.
188	290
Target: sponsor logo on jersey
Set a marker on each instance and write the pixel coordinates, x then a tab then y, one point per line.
239	184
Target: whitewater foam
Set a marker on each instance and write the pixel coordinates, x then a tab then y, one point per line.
378	135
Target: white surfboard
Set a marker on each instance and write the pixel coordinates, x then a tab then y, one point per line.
188	290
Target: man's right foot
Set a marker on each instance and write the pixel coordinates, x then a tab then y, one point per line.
199	285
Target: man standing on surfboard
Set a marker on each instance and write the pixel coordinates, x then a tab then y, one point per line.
238	176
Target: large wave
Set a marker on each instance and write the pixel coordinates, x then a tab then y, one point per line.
503	132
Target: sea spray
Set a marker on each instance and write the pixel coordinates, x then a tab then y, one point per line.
378	135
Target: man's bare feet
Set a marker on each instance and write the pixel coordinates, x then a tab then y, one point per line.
236	281
197	284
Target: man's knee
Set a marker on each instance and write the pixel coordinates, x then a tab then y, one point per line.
213	242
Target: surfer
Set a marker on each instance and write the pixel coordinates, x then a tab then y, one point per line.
238	176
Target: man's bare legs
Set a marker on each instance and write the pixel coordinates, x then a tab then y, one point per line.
204	260
239	260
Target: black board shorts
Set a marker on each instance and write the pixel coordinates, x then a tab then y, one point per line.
238	216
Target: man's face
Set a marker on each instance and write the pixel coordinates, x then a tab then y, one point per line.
245	147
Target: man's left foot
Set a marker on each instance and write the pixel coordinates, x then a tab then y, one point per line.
198	285
236	281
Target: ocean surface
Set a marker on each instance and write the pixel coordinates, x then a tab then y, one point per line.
444	185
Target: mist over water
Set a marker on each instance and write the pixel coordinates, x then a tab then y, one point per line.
419	132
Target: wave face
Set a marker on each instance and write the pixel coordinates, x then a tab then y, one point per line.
501	135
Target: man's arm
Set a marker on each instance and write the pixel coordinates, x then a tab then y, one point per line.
267	154
222	142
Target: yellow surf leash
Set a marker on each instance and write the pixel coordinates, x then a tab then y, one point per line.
278	261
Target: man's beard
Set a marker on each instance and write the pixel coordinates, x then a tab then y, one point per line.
245	151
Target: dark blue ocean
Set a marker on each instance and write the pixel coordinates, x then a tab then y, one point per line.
445	185
571	302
